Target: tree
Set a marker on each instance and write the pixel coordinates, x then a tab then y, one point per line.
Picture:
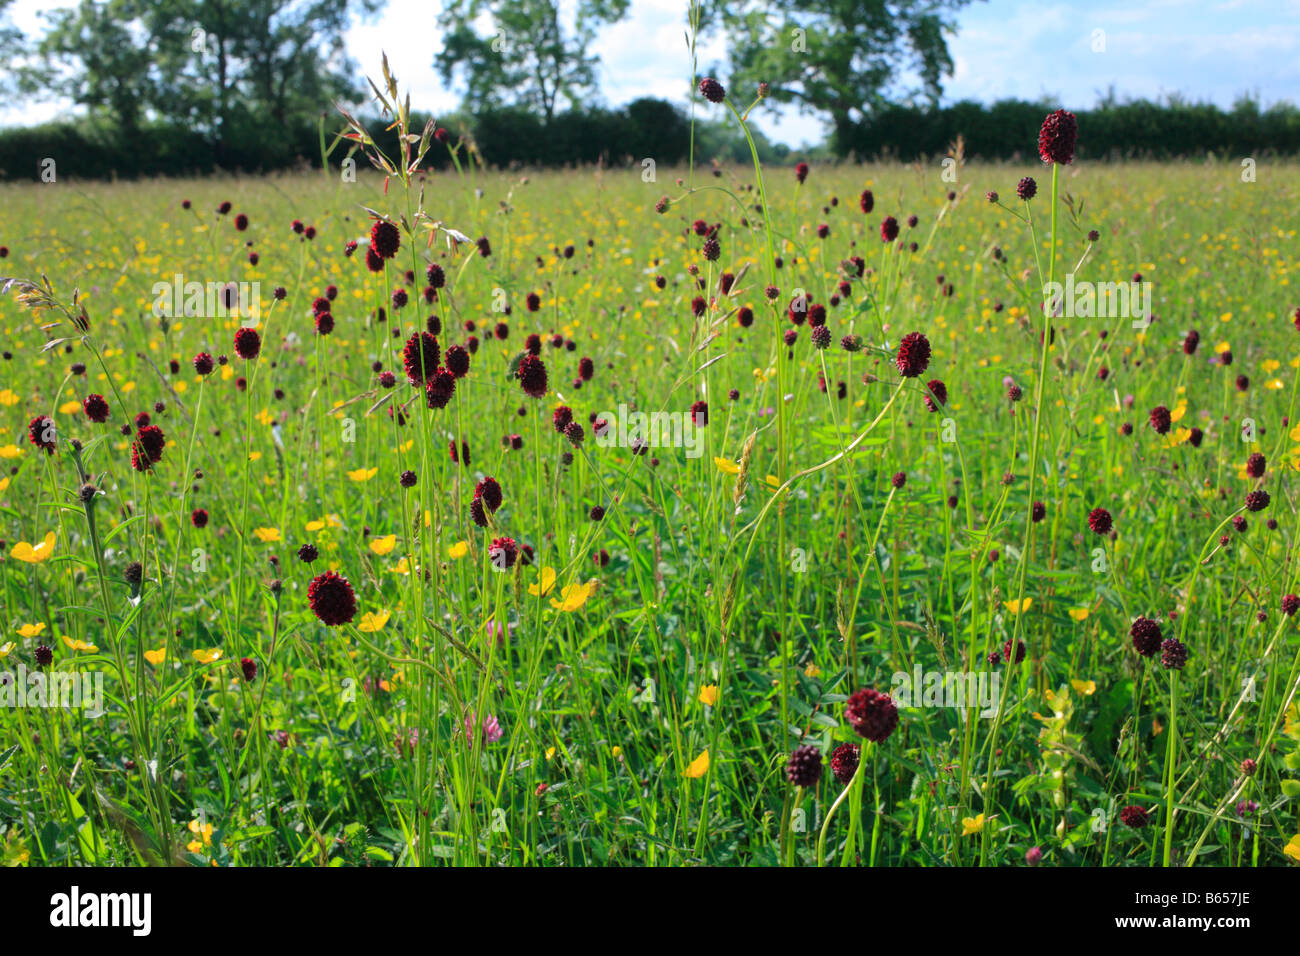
92	56
840	58
529	58
209	65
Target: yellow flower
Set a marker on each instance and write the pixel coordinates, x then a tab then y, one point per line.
1085	687
207	657
363	474
6	649
315	525
156	657
34	555
267	535
1292	849
727	465
699	766
972	825
1078	613
459	549
31	630
13	451
373	622
9	397
548	582
402	567
812	670
264	418
550	753
709	695
4	483
70	408
574	596
79	645
1015	607
200	830
383	545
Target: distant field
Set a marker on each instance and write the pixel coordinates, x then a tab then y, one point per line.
630	690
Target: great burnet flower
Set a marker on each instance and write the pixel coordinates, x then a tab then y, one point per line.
420	357
913	356
1099	520
1057	137
331	599
804	768
385	239
1146	636
871	714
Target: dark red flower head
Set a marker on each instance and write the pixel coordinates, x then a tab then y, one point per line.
96	408
1146	636
331	599
439	389
502	553
385	238
203	363
1026	189
1290	604
844	762
532	376
1057	137
804	768
1173	654
420	357
1160	419
1099	521
457	359
43	434
801	172
248	343
249	668
871	714
866	202
939	391
1257	500
913	355
561	417
889	229
489	489
1133	817
712	90
1255	465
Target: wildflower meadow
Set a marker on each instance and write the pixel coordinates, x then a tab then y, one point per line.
868	515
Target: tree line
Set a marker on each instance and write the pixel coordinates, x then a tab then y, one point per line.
173	87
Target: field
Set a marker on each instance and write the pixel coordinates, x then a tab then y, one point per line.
623	681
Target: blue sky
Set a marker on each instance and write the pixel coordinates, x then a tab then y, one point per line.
1202	49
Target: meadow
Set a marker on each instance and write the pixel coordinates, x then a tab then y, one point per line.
356	598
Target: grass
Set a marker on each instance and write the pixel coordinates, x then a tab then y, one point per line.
647	707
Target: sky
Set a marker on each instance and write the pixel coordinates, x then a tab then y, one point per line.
1071	52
